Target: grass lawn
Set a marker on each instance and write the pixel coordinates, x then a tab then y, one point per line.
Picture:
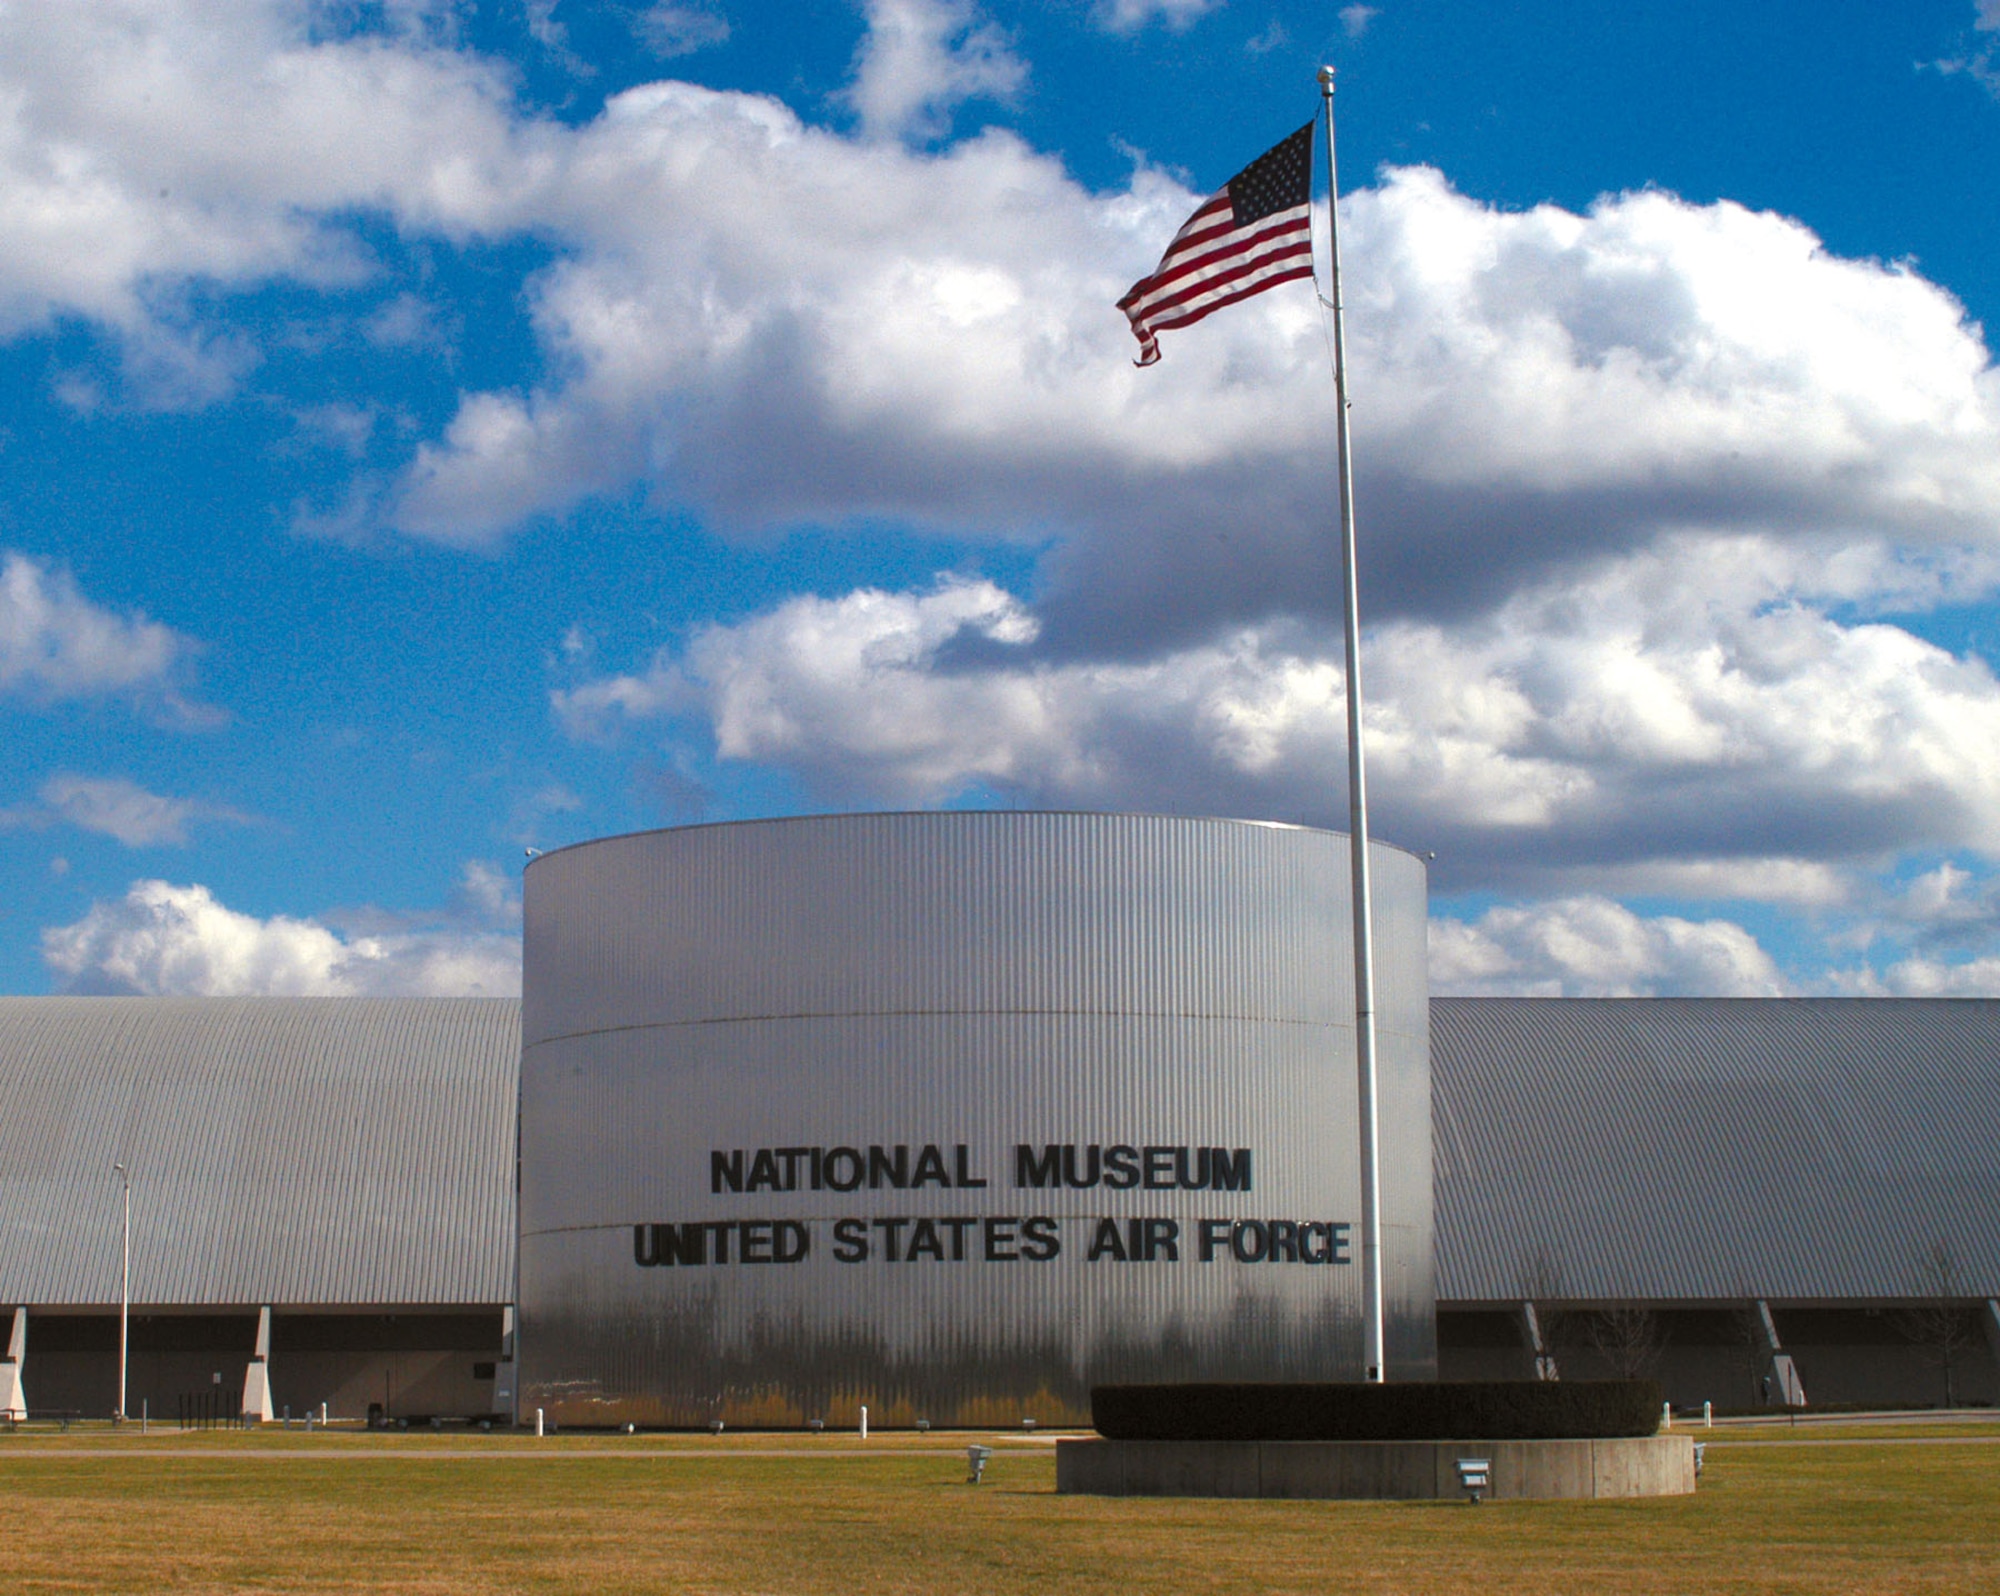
1839	1509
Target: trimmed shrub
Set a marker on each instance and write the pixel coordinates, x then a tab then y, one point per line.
1484	1410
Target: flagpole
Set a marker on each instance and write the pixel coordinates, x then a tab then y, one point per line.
1357	809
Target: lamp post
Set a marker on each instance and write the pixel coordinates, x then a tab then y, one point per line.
124	1286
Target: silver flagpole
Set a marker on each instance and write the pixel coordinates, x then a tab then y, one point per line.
1357	808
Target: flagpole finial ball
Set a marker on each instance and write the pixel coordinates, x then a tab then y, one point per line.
1326	78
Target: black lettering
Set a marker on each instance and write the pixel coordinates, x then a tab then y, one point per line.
964	1176
850	1240
644	1252
725	1169
844	1169
930	1169
763	1172
1041	1239
1310	1232
1213	1233
1284	1241
1107	1243
892	1230
1087	1177
958	1229
1163	1240
1121	1167
753	1241
1249	1241
1337	1243
999	1237
1232	1170
882	1168
719	1231
1032	1171
924	1239
792	1157
819	1166
793	1240
1159	1168
685	1245
1195	1179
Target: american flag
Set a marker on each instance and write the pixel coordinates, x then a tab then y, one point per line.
1251	234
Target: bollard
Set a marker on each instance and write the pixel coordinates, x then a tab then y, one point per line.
1666	1415
864	1424
322	1415
1708	1415
144	1416
538	1422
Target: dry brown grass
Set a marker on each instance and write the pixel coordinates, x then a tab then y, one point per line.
767	1514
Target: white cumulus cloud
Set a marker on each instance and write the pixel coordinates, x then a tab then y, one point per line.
144	146
912	698
57	646
1129	16
1686	725
1925	977
166	940
116	807
1593	947
1533	389
921	58
669	29
771	322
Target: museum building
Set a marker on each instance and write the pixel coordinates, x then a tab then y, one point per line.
954	1115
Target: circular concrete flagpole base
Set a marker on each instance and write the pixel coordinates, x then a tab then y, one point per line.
1654	1465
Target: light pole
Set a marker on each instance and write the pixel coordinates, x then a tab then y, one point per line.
124	1285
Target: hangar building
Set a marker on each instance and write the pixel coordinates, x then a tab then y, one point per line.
345	1164
1750	1199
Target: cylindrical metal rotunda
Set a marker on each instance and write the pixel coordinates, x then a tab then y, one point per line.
956	1114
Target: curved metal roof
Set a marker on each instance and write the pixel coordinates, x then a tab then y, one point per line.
1688	1148
361	1151
282	1150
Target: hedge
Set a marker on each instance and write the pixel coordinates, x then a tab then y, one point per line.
1486	1410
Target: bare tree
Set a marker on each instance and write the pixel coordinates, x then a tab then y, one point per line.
1753	1346
1542	1289
1628	1338
1938	1325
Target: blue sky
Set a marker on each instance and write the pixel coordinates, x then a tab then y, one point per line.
433	430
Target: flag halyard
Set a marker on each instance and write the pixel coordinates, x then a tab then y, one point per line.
1251	234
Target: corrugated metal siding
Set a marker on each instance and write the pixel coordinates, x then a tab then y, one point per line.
1708	1148
971	904
301	1150
991	980
283	1150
